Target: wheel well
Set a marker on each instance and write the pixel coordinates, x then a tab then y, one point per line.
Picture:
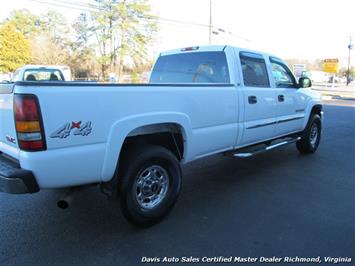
317	109
169	136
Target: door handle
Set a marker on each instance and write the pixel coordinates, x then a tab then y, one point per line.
252	100
281	98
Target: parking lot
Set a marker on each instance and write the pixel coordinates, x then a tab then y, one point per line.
276	204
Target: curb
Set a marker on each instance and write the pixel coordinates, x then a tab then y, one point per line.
337	95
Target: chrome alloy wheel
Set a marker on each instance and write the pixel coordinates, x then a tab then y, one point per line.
313	137
151	186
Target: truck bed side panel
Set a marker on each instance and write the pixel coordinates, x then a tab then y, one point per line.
211	112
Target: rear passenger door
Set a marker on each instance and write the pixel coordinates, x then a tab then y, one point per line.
259	100
291	104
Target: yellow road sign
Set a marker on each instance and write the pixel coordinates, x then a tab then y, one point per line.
331	65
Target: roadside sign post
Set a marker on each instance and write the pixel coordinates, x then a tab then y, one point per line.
331	66
333	81
350	46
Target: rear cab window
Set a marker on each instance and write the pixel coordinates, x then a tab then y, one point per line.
254	70
43	75
191	67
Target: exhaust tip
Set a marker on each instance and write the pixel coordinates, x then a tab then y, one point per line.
63	204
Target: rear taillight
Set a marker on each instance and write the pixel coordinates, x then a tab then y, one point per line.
28	120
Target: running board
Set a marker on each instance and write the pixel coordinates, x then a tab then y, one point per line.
241	154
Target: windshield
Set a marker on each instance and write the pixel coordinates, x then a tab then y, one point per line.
198	67
43	75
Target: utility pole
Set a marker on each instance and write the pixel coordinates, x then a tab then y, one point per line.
350	46
210	24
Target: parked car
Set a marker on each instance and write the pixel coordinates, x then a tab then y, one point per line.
42	73
133	138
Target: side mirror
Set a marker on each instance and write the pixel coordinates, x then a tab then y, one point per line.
304	82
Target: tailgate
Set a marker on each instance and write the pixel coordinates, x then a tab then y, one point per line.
8	139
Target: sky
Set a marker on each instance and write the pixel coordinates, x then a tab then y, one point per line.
304	29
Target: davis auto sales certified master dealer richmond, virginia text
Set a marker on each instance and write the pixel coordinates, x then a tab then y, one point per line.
231	259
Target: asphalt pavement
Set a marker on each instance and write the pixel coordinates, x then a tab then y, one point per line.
276	204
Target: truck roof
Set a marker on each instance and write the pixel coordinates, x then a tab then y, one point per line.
203	48
210	48
44	66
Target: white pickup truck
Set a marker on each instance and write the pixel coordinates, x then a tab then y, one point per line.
42	73
133	138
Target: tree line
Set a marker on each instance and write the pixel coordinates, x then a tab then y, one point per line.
112	38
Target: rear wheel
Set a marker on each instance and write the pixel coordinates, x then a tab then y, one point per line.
149	185
311	136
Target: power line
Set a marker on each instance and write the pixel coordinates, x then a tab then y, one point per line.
163	20
88	8
62	5
183	22
76	3
147	17
217	30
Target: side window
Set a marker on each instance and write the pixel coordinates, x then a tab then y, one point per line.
282	75
254	70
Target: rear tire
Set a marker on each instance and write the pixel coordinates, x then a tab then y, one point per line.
149	184
311	136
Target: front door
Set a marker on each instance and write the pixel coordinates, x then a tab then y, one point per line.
291	103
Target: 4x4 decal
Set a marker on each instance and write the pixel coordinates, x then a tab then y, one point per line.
78	128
